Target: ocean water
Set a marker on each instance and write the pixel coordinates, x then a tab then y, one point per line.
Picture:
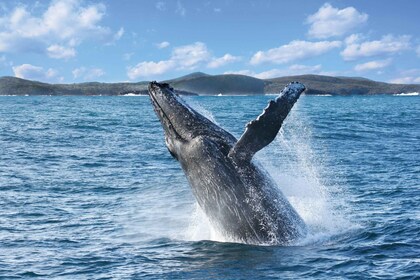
89	191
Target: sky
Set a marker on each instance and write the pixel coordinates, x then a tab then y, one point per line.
71	41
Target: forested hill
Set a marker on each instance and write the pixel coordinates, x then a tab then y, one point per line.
317	84
204	84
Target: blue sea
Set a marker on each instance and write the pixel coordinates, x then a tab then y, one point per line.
88	190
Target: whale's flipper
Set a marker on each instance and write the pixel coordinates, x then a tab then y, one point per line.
262	131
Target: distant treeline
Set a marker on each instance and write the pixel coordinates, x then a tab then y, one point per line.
203	84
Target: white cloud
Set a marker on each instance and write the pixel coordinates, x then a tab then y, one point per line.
127	56
161	6
241	72
162	45
295	50
406	80
329	21
372	65
94	73
119	34
221	61
149	68
353	39
78	72
88	74
304	69
180	9
387	45
189	56
295	69
66	23
31	72
410	76
183	57
3	61
273	73
57	51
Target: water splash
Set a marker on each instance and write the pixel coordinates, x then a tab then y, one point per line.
300	179
200	228
199	108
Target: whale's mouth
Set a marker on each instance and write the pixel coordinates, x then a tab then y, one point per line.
158	108
157	91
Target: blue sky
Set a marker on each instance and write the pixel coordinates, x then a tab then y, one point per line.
76	40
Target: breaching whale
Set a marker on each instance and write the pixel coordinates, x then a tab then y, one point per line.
238	196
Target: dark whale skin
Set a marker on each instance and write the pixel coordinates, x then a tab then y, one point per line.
238	196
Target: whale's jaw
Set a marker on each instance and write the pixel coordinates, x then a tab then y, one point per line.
181	123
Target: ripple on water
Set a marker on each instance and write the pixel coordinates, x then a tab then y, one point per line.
89	191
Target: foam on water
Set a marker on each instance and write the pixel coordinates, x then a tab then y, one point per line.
134	94
407	94
200	228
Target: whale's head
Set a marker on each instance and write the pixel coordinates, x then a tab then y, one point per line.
181	123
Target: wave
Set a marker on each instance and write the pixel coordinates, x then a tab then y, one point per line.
407	94
14	95
133	94
275	94
233	95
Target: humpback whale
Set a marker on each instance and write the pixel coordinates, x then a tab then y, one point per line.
238	196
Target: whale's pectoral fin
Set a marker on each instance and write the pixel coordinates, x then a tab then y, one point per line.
262	131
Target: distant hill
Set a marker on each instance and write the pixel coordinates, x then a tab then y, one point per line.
317	84
17	86
204	84
187	77
224	84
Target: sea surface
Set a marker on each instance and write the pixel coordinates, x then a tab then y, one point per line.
88	190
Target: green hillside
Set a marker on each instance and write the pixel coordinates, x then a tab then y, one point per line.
204	84
17	86
224	84
317	84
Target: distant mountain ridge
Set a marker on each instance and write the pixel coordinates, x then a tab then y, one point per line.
317	84
220	84
204	84
17	86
